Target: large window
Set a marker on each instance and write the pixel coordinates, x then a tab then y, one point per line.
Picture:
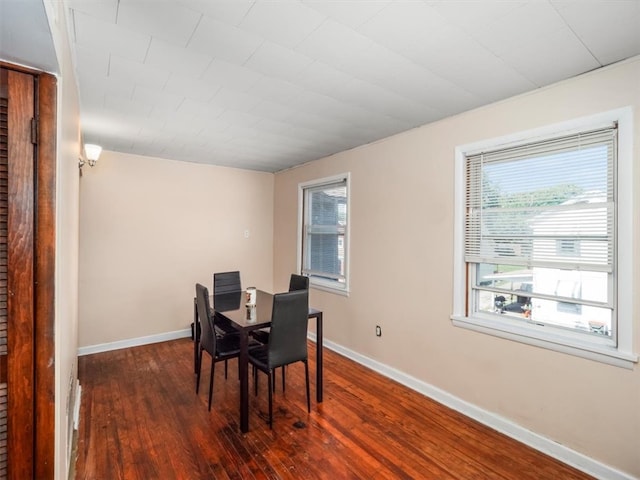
541	221
324	232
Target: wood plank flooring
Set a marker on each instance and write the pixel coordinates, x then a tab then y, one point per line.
141	419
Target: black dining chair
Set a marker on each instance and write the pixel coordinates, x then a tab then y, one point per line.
296	282
287	341
221	325
221	348
227	284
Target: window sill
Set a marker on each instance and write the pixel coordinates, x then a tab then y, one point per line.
602	354
327	288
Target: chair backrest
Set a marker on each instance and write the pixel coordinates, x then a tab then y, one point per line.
207	335
226	282
298	282
224	302
288	334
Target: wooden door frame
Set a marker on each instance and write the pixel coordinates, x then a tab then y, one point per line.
44	252
45	260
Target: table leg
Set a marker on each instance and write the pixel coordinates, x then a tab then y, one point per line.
196	337
319	384
243	366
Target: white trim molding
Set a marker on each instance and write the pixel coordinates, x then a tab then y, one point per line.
134	342
621	351
314	282
490	419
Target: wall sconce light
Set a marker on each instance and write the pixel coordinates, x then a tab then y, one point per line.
91	153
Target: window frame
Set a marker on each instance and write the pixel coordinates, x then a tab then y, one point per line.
620	352
319	283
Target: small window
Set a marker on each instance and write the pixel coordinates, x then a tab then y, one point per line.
324	232
541	236
568	247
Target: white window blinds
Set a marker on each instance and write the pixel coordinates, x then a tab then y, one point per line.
546	204
325	221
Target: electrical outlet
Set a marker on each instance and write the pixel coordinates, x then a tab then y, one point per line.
378	331
246	233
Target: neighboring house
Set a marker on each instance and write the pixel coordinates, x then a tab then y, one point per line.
572	241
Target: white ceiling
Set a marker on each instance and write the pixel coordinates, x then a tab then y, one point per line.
268	84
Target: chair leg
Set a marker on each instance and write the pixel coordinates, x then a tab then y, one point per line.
270	399
306	374
274	383
198	368
255	379
225	369
213	366
283	382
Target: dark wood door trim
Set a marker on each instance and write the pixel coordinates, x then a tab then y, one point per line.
20	277
45	255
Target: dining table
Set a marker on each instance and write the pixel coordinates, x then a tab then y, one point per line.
232	307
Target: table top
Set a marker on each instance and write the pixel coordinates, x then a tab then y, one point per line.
233	307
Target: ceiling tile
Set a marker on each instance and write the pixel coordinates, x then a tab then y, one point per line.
127	106
192	88
181	127
274	60
169	21
234	77
224	42
610	30
551	58
105	10
176	59
101	36
405	78
334	44
157	98
140	74
233	100
93	87
322	78
95	62
286	22
277	90
528	24
351	13
491	78
193	108
272	110
228	11
468	14
377	99
404	18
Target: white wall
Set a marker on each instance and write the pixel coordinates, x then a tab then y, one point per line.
66	295
151	228
402	213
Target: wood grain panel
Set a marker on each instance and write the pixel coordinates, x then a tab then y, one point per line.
45	255
20	275
4	138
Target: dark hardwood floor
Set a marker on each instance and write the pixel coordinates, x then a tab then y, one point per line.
141	419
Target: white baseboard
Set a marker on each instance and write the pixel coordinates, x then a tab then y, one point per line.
492	420
134	342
